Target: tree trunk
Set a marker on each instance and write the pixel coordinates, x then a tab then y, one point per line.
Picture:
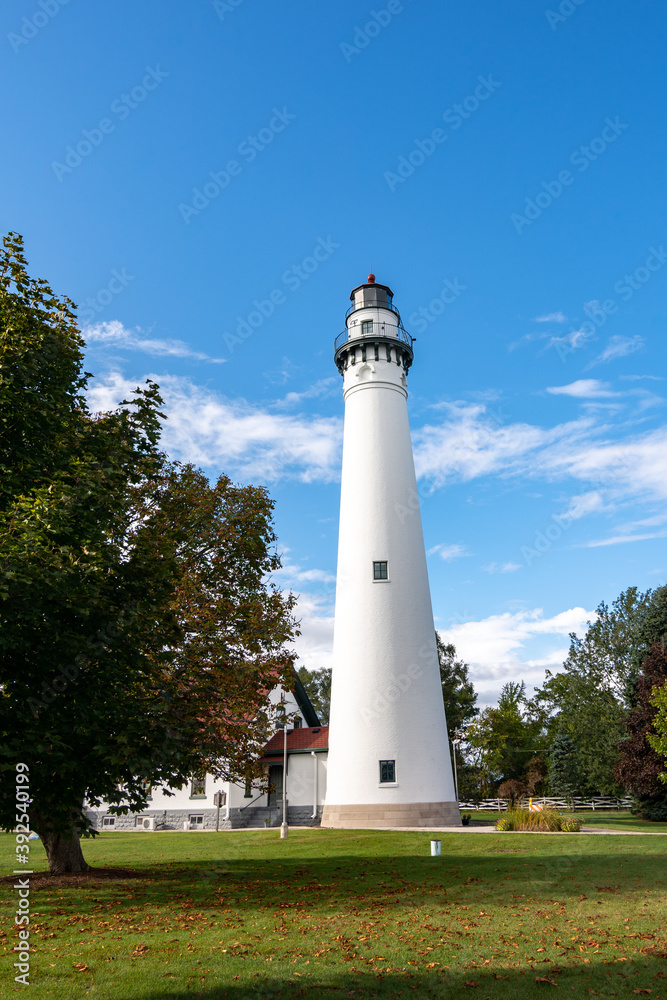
63	851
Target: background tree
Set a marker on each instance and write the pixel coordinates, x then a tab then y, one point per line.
318	688
589	698
137	633
505	740
458	692
640	763
564	767
513	791
658	739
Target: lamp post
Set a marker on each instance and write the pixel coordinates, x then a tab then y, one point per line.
456	743
284	829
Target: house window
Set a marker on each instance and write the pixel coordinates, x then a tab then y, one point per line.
387	771
366	327
108	822
297	722
147	787
198	787
248	789
380	571
196	821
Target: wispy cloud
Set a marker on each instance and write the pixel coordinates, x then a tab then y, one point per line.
572	341
468	445
624	539
583	388
617	347
244	440
448	552
114	334
555	317
508	567
323	387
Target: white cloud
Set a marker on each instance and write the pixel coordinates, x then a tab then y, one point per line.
583	388
572	341
114	334
314	645
618	347
508	567
448	552
623	539
243	440
291	574
469	445
556	317
323	387
514	646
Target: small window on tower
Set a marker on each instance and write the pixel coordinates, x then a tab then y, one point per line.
380	571
387	772
366	327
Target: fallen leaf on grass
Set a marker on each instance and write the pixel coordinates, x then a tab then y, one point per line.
141	949
543	979
471	982
640	990
81	967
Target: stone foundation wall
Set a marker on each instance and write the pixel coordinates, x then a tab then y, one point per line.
173	819
378	816
169	819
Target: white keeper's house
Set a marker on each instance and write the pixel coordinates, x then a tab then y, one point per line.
193	807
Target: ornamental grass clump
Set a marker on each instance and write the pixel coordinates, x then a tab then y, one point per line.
547	820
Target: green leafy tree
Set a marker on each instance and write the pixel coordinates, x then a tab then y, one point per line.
318	688
590	697
137	633
658	739
458	692
505	740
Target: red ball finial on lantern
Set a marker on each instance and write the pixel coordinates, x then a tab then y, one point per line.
371	278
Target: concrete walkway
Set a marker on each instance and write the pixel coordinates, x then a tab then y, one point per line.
597	831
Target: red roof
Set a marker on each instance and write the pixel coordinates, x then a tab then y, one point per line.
305	739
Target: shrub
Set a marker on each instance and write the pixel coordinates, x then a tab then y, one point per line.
512	790
548	820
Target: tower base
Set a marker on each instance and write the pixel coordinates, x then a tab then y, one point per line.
383	816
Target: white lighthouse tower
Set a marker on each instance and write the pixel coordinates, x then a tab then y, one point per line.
389	761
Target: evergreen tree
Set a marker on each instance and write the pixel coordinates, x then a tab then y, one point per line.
318	688
564	770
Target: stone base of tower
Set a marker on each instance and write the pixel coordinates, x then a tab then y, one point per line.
378	816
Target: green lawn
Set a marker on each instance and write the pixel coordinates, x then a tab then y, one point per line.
607	820
350	914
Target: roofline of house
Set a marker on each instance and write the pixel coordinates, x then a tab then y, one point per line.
279	756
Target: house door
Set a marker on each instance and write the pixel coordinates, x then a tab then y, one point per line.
275	784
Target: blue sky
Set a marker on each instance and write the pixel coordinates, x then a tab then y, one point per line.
209	180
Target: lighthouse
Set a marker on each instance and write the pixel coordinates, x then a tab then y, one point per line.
389	762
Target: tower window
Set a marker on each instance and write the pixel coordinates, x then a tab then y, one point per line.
366	327
387	771
380	571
